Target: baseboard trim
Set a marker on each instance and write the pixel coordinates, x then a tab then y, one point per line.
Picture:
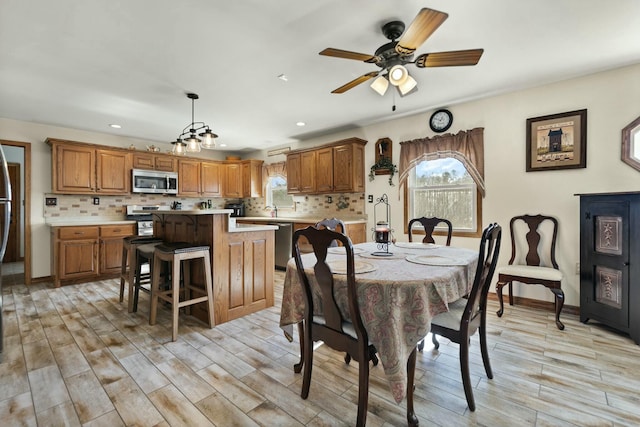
534	303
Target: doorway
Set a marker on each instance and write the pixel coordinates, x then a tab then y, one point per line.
17	261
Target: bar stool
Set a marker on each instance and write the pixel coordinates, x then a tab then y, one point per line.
129	263
174	254
144	256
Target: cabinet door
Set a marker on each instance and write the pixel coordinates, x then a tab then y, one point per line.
343	168
357	232
604	259
165	163
78	258
74	169
189	178
143	161
211	179
252	178
324	170
110	255
113	172
233	180
293	173
308	172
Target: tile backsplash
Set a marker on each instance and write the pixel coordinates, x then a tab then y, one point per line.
344	206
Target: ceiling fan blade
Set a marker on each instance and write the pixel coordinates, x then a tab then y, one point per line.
449	59
423	25
339	53
355	82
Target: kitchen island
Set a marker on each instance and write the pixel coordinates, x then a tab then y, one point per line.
241	258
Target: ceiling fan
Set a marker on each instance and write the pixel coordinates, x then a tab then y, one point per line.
393	56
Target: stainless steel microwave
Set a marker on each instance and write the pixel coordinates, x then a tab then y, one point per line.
154	182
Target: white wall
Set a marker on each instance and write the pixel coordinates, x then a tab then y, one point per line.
610	98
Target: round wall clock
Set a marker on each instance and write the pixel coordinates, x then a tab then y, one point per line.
441	120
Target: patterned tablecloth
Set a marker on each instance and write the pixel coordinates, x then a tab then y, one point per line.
397	299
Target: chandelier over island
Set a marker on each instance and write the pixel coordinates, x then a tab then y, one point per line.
193	144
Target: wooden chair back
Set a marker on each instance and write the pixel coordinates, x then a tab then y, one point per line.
429	225
332	224
540	247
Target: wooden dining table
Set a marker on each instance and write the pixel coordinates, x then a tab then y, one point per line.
398	294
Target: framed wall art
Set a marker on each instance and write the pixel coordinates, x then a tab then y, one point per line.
557	141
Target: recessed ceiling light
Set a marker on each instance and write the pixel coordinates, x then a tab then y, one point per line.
223	145
283	77
115	126
300	124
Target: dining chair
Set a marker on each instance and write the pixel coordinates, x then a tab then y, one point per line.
429	225
322	319
469	314
533	262
332	224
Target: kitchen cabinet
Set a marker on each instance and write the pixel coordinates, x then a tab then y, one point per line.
79	168
609	260
252	178
110	249
232	183
199	179
356	232
334	168
211	183
87	252
158	162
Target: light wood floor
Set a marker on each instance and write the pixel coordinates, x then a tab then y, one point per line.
74	356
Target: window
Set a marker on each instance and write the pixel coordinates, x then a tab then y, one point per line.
277	193
444	188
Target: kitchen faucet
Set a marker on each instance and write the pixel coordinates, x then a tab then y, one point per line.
274	210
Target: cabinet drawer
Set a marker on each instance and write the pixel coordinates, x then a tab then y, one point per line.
122	230
67	233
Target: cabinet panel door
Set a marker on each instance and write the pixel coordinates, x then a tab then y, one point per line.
233	180
308	172
357	233
211	179
74	169
343	168
78	258
189	178
113	172
293	173
604	270
143	161
165	163
110	255
324	171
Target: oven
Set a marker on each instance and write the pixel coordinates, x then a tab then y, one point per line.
144	221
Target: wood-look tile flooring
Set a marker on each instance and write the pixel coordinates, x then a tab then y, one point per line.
74	356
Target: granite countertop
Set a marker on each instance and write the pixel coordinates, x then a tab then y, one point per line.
187	211
242	228
290	219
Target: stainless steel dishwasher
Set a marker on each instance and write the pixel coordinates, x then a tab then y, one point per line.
284	238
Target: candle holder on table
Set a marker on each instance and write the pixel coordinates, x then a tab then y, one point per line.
382	232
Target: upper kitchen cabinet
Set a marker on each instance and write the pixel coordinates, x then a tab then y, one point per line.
232	183
158	162
199	178
252	178
333	168
211	182
79	168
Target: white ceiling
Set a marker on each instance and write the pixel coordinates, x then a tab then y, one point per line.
85	64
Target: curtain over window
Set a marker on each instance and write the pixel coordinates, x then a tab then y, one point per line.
465	146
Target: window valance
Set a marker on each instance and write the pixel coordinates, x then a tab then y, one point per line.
465	146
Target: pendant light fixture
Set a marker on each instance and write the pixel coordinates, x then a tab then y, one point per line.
192	143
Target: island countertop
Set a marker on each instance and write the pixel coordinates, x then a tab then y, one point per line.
292	219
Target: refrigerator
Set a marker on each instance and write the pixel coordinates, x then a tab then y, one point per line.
5	217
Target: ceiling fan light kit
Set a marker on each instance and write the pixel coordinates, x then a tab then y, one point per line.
393	56
193	144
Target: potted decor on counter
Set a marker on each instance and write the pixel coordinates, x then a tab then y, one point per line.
383	166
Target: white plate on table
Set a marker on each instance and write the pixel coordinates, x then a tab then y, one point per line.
340	267
340	250
416	245
435	260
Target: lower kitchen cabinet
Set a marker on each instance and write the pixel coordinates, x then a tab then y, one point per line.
87	252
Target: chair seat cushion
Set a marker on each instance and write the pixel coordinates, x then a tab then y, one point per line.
141	240
180	247
451	319
531	271
146	251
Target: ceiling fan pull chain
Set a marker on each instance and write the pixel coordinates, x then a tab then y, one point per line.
394	101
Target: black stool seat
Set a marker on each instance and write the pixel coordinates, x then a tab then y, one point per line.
141	240
180	247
